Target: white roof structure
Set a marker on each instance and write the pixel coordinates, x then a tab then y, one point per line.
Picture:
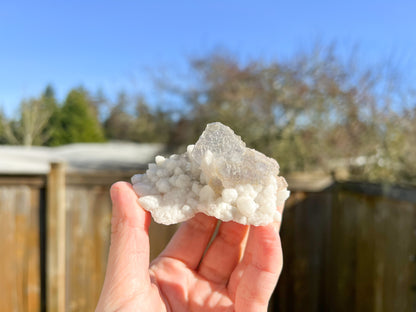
83	157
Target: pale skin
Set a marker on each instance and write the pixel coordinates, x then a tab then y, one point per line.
238	272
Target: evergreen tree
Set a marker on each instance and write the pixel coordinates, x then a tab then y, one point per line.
52	128
3	123
119	124
78	121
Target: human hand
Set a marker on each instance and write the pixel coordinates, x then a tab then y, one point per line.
238	272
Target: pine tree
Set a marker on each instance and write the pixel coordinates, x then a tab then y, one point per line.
78	121
52	128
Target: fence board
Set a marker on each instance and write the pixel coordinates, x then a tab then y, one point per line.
282	298
33	253
19	263
56	258
342	258
309	223
8	283
88	224
398	246
364	252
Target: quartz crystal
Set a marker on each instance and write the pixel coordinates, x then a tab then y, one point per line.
218	176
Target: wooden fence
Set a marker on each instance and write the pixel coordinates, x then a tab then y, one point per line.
350	247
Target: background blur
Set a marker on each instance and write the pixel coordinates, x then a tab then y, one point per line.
328	89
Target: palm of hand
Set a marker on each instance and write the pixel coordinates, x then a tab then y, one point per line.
238	272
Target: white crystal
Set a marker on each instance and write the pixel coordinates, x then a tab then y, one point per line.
246	206
218	176
229	195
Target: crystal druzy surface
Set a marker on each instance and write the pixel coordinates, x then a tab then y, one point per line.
218	176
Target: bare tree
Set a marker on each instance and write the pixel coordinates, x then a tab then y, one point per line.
314	111
29	128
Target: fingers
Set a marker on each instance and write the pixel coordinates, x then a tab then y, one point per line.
190	240
256	276
128	259
224	253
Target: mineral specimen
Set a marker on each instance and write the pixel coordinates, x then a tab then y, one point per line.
218	176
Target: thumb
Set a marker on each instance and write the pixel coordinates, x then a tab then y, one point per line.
128	259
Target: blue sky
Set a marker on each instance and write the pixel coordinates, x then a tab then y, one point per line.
115	45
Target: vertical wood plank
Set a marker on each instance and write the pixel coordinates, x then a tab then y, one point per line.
88	239
21	215
310	250
159	236
342	263
33	253
365	244
282	299
8	268
398	248
328	202
77	245
19	263
56	230
380	216
101	240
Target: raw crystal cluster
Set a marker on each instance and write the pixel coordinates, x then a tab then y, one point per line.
218	176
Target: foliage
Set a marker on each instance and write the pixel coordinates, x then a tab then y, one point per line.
51	130
119	124
314	111
29	128
3	125
151	125
78	121
144	124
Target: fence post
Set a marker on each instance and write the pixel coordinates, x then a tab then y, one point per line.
55	239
